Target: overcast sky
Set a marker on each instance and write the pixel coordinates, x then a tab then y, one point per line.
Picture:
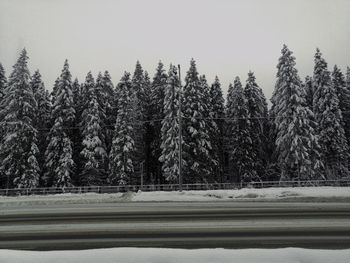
226	37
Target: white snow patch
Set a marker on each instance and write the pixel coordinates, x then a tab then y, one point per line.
245	194
270	194
145	255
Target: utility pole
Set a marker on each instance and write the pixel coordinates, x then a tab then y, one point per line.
142	165
180	130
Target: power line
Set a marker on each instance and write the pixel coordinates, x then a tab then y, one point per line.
183	117
150	121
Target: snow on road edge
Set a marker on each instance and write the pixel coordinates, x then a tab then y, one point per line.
145	255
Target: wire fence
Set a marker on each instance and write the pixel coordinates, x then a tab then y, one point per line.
168	187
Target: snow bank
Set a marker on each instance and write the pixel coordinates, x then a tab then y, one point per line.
246	194
266	194
145	255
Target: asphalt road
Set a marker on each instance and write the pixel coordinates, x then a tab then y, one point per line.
177	225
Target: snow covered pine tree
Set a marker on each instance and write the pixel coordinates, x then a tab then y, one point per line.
239	143
3	82
18	147
257	114
295	135
343	93
212	129
217	113
42	120
59	163
170	128
121	157
77	136
196	149
107	100
94	153
329	120
137	117
158	89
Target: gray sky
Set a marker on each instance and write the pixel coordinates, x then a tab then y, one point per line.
226	37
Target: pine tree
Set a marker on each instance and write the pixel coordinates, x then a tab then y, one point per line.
317	169
139	88
76	132
309	92
347	81
211	127
109	107
197	147
150	163
339	83
140	107
329	121
138	80
3	82
18	147
158	89
54	91
273	171
121	157
241	156
77	98
42	120
347	87
217	113
88	90
94	153
59	153
257	112
229	171
170	128
42	97
295	134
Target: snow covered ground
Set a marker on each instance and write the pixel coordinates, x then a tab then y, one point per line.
145	255
246	194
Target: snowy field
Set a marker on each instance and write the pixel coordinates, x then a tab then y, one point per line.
266	194
145	255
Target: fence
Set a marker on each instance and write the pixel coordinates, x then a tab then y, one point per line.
168	187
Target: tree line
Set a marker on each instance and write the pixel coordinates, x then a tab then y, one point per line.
95	133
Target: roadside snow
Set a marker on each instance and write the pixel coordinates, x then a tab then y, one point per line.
245	194
266	194
145	255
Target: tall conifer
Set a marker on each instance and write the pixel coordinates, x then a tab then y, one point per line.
59	153
329	120
18	148
217	113
122	154
295	135
196	150
257	113
170	128
158	90
240	144
42	120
